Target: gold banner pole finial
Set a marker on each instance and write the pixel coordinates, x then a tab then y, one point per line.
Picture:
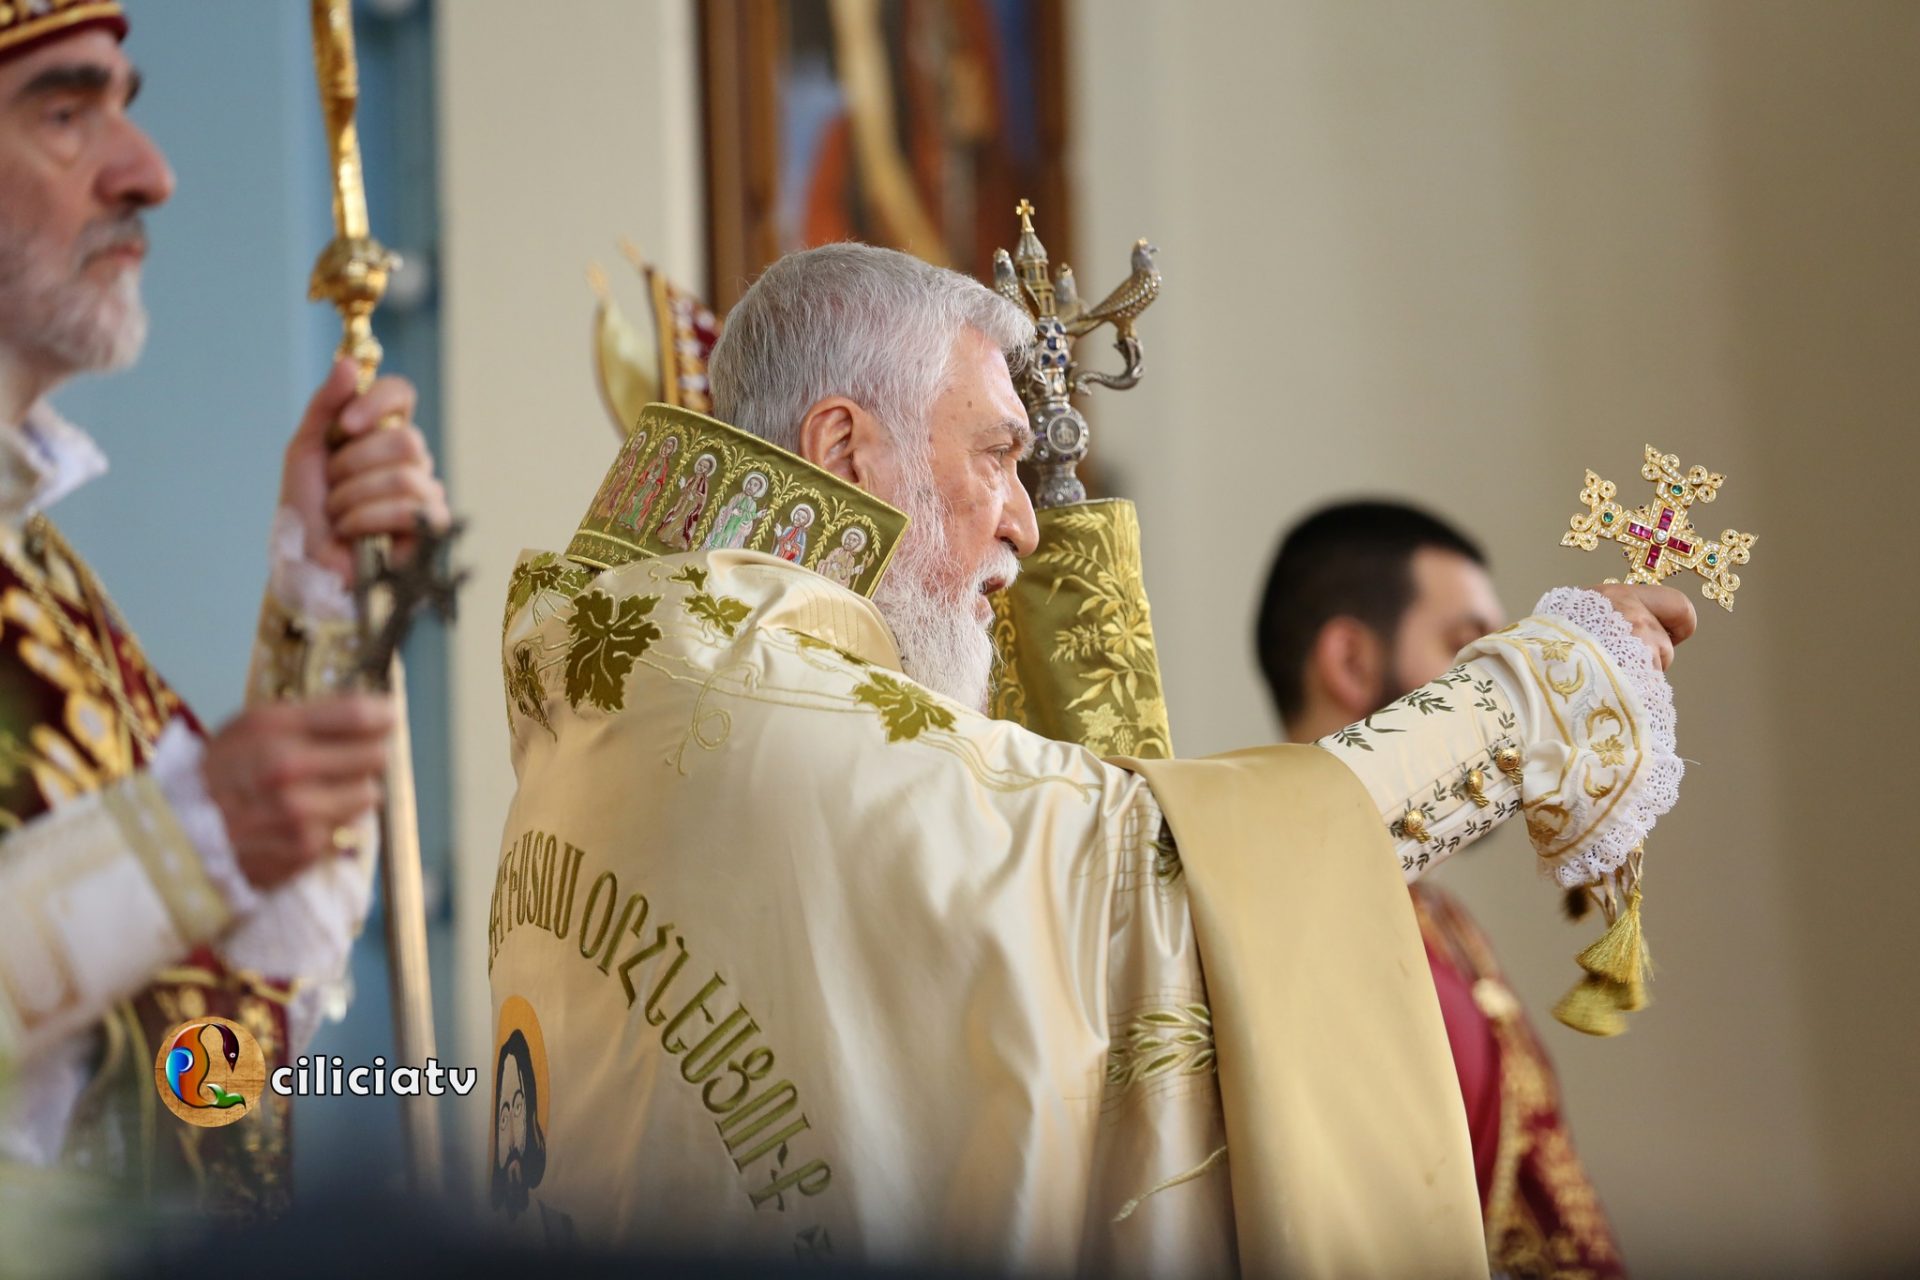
351	273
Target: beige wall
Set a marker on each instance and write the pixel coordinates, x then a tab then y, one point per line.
557	138
1454	251
1461	252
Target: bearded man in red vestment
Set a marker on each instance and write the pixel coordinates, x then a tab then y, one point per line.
1366	601
151	871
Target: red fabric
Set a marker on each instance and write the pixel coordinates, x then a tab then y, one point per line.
25	31
1544	1219
50	702
1476	1057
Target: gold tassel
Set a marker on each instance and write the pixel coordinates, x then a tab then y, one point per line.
1621	952
1618	967
1592	1007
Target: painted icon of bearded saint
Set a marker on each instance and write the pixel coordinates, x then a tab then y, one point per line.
844	563
607	504
676	527
650	482
519	1147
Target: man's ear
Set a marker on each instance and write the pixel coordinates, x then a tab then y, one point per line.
841	438
1349	663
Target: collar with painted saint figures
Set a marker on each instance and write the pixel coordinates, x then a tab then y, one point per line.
685	482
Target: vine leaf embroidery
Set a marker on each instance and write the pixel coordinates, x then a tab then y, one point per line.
908	710
806	641
693	575
608	636
539	576
542	573
723	613
523	686
1352	737
1160	1042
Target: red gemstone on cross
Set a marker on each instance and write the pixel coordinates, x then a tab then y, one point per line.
1673	544
1667	517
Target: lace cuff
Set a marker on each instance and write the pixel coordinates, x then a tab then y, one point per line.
1600	768
307	641
302	931
299	586
176	771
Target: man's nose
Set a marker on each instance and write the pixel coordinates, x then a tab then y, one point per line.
1018	526
136	174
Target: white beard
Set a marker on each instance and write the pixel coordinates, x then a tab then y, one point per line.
943	643
65	320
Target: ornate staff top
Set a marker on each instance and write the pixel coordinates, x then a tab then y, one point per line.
1659	542
1657	537
352	270
1054	375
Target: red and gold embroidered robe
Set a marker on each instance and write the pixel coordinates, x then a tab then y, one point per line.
1544	1219
64	737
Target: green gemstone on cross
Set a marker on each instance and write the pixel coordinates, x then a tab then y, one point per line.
1677	490
1712	558
1606	517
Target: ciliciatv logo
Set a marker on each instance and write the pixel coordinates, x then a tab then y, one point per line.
210	1071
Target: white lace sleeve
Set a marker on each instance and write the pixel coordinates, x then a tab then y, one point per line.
306	641
1603	769
303	932
1563	716
298	584
177	758
300	932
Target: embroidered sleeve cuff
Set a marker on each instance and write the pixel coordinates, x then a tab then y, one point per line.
1598	760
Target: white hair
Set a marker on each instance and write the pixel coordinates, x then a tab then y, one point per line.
880	328
877	326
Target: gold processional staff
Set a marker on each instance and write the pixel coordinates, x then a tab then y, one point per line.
1659	541
351	273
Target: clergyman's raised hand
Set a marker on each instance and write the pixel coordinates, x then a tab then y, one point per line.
1660	616
348	476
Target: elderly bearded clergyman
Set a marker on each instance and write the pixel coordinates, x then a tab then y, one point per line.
823	962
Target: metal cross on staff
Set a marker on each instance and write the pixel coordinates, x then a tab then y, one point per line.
422	585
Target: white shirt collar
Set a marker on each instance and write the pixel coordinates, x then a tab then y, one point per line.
43	460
